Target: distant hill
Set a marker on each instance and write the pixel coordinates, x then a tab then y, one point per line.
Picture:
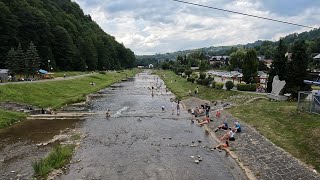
62	34
263	47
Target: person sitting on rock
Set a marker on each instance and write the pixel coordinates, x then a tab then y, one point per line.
218	113
237	127
206	120
229	136
222	145
223	126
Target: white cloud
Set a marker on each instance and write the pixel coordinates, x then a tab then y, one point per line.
160	26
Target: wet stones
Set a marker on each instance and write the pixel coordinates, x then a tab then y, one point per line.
197	159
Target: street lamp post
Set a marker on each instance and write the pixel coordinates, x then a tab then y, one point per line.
48	64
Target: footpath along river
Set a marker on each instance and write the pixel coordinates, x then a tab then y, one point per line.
140	141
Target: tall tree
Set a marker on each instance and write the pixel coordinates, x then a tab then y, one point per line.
237	58
32	60
297	70
278	66
63	48
19	61
10	61
250	66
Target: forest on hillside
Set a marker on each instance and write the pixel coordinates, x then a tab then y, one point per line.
65	38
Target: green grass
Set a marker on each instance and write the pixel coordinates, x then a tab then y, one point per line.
296	132
55	160
180	87
58	93
69	73
9	117
75	137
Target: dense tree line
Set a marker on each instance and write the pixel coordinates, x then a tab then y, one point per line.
62	34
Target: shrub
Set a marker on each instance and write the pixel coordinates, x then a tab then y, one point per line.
188	72
206	82
184	76
181	69
199	81
194	75
102	72
202	75
219	85
213	84
229	85
246	87
191	79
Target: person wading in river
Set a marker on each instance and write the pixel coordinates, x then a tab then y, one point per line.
178	108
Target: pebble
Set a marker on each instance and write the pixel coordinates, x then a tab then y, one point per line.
12	171
170	138
200	158
196	161
192	157
315	171
199	141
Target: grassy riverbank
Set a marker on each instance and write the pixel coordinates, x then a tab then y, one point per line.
69	73
8	117
180	87
297	133
56	94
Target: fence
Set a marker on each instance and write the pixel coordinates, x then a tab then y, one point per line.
308	101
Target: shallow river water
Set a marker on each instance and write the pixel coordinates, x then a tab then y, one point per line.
139	141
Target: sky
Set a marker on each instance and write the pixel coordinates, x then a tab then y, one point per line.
161	26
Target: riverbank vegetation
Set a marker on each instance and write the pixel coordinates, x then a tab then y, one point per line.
55	94
58	93
280	122
9	117
57	158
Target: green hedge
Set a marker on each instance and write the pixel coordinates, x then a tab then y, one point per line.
219	85
246	87
229	85
191	79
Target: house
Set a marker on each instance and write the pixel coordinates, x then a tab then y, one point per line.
221	59
317	57
261	58
4	75
268	62
150	66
